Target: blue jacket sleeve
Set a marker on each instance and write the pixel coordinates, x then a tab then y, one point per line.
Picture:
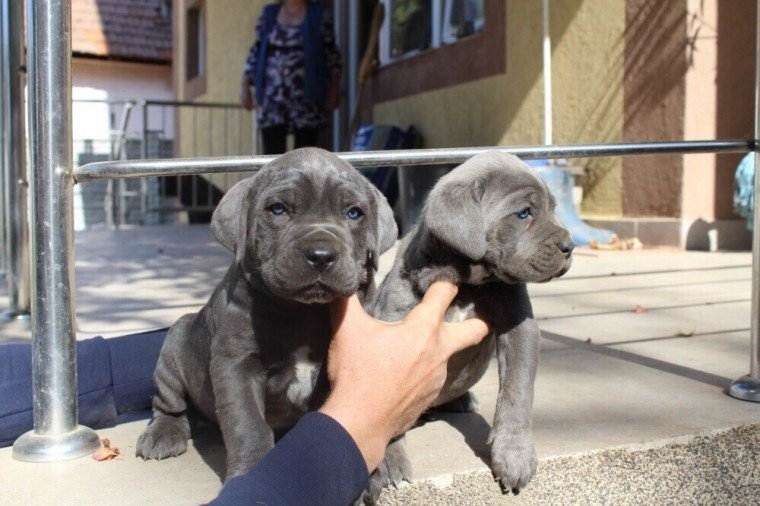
316	462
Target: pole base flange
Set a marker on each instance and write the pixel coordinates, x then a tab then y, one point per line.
746	388
33	447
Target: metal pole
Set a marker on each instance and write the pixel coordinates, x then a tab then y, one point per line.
547	57
16	244
3	166
401	157
56	435
748	387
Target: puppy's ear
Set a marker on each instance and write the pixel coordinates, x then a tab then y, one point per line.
229	223
454	215
386	229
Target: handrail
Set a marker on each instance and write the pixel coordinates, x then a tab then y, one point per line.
402	157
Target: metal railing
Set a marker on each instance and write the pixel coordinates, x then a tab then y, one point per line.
197	129
161	129
56	434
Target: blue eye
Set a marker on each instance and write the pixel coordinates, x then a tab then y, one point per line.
354	213
524	213
277	209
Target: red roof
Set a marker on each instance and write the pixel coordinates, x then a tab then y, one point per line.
139	30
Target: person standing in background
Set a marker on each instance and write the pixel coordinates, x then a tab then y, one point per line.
294	67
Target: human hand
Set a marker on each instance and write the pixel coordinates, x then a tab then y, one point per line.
247	99
384	375
333	95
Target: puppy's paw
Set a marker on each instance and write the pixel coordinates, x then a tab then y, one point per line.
392	471
422	278
166	436
513	461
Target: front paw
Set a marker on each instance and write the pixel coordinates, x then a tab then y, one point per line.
166	436
392	471
513	461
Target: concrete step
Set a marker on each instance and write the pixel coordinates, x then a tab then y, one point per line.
718	468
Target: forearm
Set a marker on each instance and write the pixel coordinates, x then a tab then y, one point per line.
316	462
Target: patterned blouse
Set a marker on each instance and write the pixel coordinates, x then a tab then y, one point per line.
284	101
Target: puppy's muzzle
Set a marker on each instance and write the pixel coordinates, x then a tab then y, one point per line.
320	256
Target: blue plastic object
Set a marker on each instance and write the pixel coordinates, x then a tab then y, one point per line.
744	189
560	183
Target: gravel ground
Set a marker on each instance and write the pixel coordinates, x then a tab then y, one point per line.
721	469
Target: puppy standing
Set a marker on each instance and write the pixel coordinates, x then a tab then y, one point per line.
305	229
488	226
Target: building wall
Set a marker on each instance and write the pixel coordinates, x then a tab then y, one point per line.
230	26
623	70
115	81
508	108
108	80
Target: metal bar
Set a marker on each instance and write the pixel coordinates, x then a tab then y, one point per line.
3	165
175	103
144	182
15	200
402	157
56	435
748	387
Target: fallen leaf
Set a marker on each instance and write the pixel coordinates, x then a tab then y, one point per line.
685	332
106	452
640	310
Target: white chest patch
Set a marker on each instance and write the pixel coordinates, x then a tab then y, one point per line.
304	378
460	313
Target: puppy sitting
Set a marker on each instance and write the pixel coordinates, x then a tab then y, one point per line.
305	229
488	226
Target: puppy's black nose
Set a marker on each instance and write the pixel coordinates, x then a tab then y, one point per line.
566	246
320	257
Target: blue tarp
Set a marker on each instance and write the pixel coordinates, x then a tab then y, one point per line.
114	376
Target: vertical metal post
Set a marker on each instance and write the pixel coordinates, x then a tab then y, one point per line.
56	435
16	244
748	387
3	167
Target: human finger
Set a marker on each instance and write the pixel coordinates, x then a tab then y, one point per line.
434	303
458	336
347	313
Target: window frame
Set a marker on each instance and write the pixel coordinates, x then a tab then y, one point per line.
438	15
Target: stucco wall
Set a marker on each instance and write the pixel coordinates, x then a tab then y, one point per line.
230	28
508	108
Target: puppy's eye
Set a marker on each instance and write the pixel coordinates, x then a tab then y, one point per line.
354	213
524	213
278	209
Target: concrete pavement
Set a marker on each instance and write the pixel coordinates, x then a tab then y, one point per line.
638	347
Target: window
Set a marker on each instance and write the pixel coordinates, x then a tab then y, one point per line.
195	41
460	47
195	48
413	26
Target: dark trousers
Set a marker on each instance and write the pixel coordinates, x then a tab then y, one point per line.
274	138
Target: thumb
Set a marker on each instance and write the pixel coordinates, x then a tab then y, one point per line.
346	313
458	336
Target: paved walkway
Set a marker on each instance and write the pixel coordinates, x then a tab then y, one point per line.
638	347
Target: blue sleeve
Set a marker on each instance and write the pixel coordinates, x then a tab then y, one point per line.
316	463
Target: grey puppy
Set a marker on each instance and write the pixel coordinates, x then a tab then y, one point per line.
488	226
305	229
